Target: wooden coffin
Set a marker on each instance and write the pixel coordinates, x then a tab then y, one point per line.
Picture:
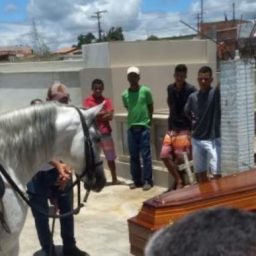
237	190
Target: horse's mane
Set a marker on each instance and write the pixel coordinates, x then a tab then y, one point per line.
27	135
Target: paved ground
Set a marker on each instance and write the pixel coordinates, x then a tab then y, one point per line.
101	227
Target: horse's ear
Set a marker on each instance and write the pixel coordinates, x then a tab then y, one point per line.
91	113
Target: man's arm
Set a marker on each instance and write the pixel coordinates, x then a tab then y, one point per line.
150	104
187	108
108	111
64	173
124	101
169	96
150	112
106	115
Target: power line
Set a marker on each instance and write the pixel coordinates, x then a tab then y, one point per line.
204	35
98	17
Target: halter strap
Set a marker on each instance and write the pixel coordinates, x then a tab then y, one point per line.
89	170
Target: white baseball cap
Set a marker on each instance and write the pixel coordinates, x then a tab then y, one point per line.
133	69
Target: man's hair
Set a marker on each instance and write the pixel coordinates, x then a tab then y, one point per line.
35	101
205	69
211	232
58	91
97	81
181	68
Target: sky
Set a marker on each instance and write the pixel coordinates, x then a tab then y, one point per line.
59	22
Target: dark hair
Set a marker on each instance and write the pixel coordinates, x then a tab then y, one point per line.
35	101
181	68
97	81
205	69
216	231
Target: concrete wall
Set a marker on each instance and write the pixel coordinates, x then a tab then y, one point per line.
237	120
156	59
22	82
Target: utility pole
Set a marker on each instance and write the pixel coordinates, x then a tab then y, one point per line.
98	17
202	15
234	11
198	21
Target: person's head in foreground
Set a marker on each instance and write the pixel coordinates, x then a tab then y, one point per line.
211	232
58	92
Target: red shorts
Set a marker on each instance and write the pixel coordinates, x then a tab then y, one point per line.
108	148
175	143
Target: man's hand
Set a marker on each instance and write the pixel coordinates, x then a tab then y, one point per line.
65	173
105	115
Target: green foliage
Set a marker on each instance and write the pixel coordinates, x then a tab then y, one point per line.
114	34
85	39
152	38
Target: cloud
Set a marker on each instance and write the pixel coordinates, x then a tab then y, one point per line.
59	22
215	9
10	8
13	34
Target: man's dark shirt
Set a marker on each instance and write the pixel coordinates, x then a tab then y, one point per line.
204	109
176	101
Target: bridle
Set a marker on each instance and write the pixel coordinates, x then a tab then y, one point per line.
89	170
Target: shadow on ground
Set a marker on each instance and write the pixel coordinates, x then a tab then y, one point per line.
58	250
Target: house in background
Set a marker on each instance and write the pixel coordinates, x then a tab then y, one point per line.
8	53
247	39
69	53
230	35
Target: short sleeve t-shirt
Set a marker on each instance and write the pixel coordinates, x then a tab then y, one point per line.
103	126
177	99
137	103
204	107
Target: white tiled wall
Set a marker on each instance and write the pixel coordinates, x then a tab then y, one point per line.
237	123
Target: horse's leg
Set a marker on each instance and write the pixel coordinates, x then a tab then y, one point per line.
15	213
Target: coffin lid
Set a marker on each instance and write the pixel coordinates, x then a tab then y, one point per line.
236	183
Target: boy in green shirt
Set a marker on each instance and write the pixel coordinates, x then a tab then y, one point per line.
138	101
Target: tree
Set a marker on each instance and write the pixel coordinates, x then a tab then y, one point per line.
85	39
152	38
114	34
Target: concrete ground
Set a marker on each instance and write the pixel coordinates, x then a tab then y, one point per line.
101	227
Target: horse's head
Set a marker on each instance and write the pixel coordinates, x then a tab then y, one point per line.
84	154
93	173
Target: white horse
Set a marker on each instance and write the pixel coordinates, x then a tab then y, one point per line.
32	136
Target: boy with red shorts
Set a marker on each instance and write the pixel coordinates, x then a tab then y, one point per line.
103	125
177	139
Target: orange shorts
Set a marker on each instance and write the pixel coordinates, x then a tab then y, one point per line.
175	143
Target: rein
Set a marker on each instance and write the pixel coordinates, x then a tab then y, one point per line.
89	170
